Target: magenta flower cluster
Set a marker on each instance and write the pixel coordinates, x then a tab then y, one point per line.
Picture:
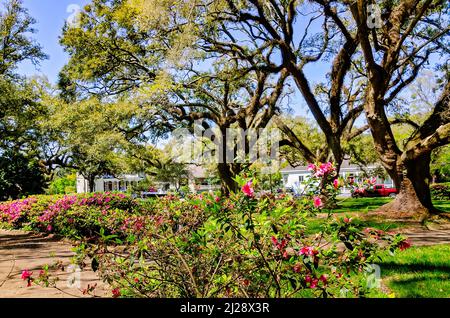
11	211
322	169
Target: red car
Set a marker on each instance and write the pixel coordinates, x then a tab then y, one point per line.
378	190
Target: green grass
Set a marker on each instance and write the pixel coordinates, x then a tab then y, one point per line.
314	225
443	205
418	272
368	204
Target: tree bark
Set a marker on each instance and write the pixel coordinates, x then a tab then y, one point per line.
91	183
226	173
414	198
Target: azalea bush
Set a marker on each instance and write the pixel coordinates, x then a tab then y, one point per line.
247	244
244	245
74	216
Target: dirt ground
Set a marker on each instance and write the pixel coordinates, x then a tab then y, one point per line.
21	250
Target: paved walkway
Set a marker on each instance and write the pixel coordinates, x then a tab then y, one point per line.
21	250
432	235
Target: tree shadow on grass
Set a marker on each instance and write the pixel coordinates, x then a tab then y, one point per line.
407	268
417	280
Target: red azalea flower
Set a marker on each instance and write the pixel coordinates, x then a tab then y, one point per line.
217	199
274	240
404	245
248	190
116	292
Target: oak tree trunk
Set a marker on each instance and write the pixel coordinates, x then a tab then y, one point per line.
227	172
414	198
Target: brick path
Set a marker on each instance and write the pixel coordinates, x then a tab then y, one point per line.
23	250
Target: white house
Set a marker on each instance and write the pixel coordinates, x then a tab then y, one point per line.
198	181
294	177
109	183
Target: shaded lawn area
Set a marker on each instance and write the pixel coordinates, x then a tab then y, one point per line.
315	225
418	272
349	205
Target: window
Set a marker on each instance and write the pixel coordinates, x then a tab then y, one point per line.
378	187
301	178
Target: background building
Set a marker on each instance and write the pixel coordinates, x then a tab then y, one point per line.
294	177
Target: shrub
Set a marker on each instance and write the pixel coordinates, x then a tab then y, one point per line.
243	245
440	191
203	245
73	216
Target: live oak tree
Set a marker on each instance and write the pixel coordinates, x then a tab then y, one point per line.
279	35
393	55
409	33
91	136
21	166
119	49
16	45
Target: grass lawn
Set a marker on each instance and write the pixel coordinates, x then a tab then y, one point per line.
369	204
418	272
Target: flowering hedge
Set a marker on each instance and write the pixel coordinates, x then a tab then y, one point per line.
245	245
74	216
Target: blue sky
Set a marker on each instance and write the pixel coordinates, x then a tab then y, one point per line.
50	16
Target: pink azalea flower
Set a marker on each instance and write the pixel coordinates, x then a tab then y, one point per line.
312	167
318	202
26	274
314	283
248	190
336	183
309	251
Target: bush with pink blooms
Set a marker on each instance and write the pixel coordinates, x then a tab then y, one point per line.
245	245
73	216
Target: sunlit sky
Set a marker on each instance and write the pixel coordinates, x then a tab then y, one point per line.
50	16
